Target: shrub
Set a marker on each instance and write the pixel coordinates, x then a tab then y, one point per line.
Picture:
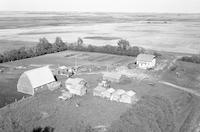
192	59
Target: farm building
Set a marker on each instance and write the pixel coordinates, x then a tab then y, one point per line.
112	76
145	61
117	95
54	85
31	80
107	93
98	91
128	97
104	83
76	86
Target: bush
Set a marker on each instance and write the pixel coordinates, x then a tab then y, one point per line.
192	59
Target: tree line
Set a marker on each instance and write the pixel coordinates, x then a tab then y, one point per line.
45	47
192	59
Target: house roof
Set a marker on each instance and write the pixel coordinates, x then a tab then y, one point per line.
145	57
111	90
119	92
74	81
40	76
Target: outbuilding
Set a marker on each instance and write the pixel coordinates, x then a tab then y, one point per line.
98	91
107	93
146	61
33	79
76	86
128	97
117	95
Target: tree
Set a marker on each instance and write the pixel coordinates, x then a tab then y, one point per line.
22	53
79	42
123	44
43	47
59	45
1	58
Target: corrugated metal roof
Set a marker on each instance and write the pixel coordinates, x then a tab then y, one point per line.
145	57
40	76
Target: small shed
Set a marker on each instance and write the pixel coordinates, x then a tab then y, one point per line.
117	95
107	93
111	76
98	91
105	83
54	85
146	61
76	86
128	97
31	80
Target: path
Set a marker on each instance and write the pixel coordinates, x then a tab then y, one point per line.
189	90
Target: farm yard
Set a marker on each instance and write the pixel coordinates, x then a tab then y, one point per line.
46	109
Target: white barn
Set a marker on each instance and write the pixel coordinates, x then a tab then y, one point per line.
145	61
30	80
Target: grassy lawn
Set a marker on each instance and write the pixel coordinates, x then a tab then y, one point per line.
184	74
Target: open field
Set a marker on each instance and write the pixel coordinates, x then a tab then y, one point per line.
184	74
167	32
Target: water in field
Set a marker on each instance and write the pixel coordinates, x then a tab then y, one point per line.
177	36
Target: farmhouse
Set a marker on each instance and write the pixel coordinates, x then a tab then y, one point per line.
76	86
33	79
145	61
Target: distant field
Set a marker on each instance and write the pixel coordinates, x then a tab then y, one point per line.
11	44
102	38
167	32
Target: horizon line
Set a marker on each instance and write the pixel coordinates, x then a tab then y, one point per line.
105	12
